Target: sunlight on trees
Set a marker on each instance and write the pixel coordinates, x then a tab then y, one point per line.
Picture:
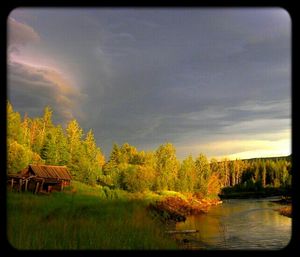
38	140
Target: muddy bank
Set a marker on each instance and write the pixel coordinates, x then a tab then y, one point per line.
286	209
175	209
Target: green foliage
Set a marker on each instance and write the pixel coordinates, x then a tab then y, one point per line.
18	157
38	140
187	175
129	169
203	173
13	124
75	148
262	177
202	167
167	167
91	162
49	150
138	178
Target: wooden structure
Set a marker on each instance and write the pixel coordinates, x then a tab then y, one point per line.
40	178
188	231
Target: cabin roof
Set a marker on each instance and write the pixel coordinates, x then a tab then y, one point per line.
48	171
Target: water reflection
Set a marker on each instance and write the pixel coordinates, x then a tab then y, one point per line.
239	224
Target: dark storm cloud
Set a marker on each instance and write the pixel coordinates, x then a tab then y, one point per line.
31	89
179	75
193	65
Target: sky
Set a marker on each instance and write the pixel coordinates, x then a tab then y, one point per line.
215	81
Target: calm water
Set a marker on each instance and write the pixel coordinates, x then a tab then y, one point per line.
239	224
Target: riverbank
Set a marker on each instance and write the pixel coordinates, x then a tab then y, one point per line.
85	217
286	199
173	210
177	209
239	224
236	193
286	209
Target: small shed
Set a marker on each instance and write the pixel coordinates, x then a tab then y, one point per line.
38	178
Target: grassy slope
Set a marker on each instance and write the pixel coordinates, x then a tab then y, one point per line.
84	218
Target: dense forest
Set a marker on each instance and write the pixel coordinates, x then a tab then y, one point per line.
39	141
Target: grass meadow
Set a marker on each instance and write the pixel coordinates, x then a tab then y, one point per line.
84	218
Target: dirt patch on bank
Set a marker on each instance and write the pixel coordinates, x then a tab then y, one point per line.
285	211
176	209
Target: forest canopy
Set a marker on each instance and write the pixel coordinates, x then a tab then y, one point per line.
39	141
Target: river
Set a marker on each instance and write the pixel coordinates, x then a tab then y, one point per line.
242	224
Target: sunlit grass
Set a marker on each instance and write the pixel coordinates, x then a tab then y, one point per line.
173	193
84	218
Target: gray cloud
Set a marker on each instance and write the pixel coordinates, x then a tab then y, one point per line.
31	89
181	75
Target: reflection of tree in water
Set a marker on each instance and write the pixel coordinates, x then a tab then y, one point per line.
222	229
245	224
209	230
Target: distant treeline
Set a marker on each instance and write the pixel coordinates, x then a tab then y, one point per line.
38	140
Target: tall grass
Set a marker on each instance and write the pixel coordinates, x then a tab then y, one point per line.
83	218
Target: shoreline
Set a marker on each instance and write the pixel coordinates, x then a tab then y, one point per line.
285	211
169	208
172	210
